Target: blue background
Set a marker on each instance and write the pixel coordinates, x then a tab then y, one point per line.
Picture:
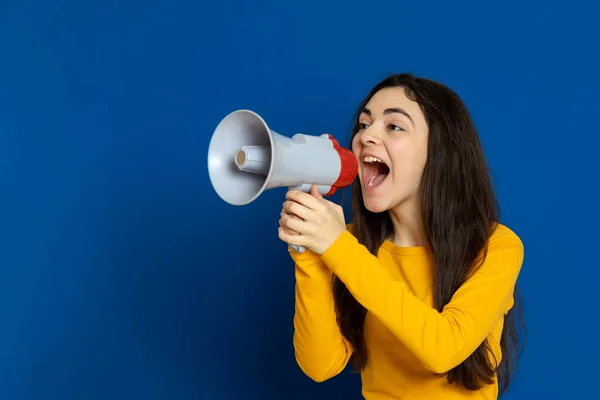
112	284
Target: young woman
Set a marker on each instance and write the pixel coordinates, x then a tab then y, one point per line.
419	291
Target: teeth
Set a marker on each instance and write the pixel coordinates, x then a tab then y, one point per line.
370	183
370	159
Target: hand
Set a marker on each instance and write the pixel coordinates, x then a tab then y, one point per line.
310	220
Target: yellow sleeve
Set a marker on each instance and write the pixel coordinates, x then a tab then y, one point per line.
321	350
443	340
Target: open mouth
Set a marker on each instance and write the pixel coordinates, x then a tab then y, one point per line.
374	171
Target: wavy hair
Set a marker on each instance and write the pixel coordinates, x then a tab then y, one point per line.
459	211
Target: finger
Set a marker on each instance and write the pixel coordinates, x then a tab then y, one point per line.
295	224
291	232
285	228
283	222
290	215
306	199
289	239
296	209
314	191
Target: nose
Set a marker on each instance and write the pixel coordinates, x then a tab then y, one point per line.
370	137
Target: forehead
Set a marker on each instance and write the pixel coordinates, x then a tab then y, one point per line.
394	97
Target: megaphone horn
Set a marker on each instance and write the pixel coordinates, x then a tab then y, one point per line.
246	157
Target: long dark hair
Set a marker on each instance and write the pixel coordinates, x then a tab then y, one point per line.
459	211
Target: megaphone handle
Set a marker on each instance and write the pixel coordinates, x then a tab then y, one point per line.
323	189
298	249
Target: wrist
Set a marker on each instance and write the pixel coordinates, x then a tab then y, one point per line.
338	249
330	243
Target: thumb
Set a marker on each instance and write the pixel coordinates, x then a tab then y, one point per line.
314	190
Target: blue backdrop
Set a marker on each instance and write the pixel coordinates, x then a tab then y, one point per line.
122	275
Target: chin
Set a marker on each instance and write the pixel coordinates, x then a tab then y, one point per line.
375	205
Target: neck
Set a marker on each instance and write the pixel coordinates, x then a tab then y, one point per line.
408	225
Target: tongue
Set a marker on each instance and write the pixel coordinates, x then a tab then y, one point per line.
376	174
376	179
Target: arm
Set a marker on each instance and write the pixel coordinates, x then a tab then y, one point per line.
320	349
443	340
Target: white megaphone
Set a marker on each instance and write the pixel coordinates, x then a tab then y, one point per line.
246	157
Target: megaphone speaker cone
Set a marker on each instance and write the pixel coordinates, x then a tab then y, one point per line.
239	157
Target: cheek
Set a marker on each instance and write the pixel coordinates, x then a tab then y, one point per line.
409	162
420	158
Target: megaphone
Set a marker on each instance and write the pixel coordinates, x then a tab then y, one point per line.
246	157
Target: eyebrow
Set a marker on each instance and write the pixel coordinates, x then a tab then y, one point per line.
390	111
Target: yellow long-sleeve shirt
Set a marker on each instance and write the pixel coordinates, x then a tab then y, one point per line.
409	342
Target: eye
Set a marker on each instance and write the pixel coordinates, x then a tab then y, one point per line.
362	126
395	127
